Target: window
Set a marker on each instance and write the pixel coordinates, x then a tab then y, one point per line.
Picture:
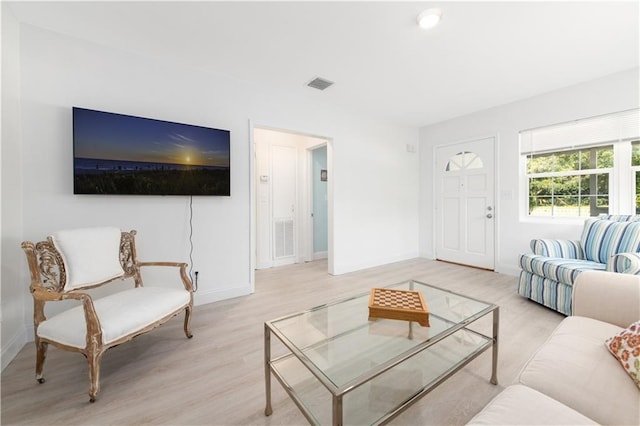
570	183
464	160
583	168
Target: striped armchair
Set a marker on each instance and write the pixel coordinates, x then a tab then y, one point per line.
608	243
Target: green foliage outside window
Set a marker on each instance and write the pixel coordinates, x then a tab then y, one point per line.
635	154
576	194
566	161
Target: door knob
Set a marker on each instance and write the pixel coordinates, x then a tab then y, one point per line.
489	215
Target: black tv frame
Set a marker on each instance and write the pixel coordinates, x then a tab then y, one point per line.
118	154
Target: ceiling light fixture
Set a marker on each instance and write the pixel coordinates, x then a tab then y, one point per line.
429	18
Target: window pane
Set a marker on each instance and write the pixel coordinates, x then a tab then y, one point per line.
540	163
570	196
566	185
464	160
567	206
568	161
635	155
604	157
540	206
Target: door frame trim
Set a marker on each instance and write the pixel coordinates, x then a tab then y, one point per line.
496	184
309	254
252	196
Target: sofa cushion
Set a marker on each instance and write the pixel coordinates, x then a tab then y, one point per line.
556	269
521	405
120	314
566	249
620	217
90	255
575	368
625	346
601	239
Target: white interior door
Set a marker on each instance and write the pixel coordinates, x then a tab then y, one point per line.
465	210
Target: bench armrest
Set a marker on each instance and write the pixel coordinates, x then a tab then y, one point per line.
607	296
564	249
94	330
186	281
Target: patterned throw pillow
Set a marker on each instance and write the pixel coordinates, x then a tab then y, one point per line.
625	346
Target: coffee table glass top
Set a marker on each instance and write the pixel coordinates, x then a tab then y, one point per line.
339	342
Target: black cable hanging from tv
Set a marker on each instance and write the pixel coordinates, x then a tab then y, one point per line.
195	281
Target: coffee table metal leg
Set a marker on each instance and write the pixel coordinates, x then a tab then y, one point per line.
267	369
494	361
337	410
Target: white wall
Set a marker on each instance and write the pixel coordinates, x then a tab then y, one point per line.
15	289
376	180
612	93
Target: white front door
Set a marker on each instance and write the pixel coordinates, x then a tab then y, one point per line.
465	210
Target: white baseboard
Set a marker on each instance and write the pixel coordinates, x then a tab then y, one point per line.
508	269
346	268
320	255
201	298
16	343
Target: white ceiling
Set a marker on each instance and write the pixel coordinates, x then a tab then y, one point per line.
482	54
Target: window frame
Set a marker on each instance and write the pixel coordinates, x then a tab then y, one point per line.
609	171
622	176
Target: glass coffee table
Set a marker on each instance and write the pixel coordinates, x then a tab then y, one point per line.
340	368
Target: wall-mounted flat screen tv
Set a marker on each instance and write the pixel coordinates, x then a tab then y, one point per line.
120	154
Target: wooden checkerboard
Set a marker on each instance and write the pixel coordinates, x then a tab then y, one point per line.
403	305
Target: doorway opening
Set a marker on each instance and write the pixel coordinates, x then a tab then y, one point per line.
291	198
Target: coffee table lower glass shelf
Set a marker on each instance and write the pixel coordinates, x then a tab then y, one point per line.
340	368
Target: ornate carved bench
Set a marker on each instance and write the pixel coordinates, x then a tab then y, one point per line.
68	264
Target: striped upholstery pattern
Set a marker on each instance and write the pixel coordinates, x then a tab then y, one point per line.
608	242
601	239
626	263
561	270
567	249
552	294
620	217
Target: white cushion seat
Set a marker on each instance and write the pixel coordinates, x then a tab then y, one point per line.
576	357
120	314
521	405
90	255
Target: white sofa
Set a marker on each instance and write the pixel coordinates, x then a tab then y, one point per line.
573	378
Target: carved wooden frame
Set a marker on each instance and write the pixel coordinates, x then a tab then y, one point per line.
48	280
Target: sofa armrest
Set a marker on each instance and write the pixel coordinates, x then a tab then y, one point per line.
625	263
607	296
565	249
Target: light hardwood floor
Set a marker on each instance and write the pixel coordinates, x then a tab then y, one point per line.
217	378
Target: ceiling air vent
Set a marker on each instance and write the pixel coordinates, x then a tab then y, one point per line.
319	83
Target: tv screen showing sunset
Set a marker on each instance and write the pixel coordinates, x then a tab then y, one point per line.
123	154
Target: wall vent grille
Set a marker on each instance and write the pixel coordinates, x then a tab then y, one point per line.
320	83
283	238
